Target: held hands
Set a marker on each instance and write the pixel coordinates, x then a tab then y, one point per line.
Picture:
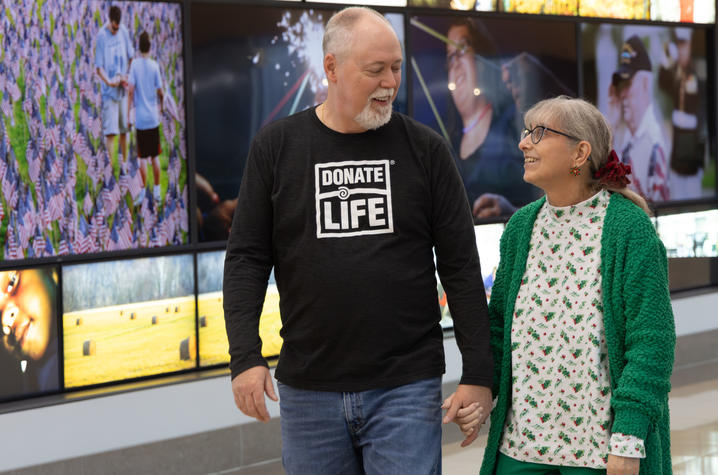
468	407
618	465
249	387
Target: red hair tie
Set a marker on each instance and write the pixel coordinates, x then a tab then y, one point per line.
613	173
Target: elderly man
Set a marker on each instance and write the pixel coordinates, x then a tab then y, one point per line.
639	139
347	201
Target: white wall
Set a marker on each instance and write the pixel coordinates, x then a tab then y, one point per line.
118	421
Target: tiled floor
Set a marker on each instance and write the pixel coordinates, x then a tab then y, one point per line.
694	437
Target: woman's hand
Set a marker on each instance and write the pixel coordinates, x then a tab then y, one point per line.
618	465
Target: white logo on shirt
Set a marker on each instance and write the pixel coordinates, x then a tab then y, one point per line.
353	198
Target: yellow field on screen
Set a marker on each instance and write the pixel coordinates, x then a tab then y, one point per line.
213	345
128	341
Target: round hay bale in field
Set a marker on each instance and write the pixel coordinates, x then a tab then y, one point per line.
133	315
202	321
88	348
78	322
188	348
155	320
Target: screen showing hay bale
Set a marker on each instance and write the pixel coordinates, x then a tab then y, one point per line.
213	348
128	318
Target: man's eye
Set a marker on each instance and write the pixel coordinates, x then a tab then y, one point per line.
13	282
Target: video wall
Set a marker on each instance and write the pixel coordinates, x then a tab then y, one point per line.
115	202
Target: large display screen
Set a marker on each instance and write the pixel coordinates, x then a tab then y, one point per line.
129	318
74	180
684	11
650	83
543	7
251	65
213	344
473	80
690	234
29	359
488	237
478	5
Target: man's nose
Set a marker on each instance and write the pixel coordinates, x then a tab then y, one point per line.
389	80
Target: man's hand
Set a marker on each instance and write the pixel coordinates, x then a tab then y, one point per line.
489	205
249	387
469	407
618	465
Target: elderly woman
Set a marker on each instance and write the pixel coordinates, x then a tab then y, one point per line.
582	328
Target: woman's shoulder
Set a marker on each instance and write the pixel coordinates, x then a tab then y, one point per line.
525	215
627	222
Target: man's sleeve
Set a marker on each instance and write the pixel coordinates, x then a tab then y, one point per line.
99	47
458	267
158	78
248	263
128	45
131	77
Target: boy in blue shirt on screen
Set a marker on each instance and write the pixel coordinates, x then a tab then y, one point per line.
146	95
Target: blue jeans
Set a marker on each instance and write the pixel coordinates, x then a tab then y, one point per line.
382	431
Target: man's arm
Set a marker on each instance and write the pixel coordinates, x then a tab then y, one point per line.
460	274
247	265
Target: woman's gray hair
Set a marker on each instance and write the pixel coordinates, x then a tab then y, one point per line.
337	38
583	120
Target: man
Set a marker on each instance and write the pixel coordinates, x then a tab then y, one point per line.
145	93
639	139
113	54
678	78
347	201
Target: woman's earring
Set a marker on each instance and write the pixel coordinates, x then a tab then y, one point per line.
575	171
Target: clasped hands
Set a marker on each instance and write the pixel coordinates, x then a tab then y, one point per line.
469	407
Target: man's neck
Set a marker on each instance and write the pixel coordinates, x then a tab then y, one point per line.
332	118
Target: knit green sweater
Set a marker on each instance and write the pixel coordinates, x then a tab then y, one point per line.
638	320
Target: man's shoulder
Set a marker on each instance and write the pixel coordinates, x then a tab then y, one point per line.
416	129
291	126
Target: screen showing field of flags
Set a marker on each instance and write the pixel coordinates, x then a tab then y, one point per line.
72	178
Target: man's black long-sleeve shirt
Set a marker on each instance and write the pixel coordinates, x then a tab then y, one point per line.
349	222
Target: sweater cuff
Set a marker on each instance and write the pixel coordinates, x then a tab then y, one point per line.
627	446
631	422
237	367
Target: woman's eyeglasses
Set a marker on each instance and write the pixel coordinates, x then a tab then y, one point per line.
537	133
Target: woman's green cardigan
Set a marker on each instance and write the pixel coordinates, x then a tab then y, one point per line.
638	321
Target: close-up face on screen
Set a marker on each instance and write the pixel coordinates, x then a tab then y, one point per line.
252	65
474	79
128	318
28	314
78	173
650	83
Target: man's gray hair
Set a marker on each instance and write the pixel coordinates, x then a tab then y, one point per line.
338	32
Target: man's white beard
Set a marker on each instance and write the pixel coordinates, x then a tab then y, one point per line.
371	118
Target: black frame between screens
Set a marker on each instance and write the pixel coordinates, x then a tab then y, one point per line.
194	247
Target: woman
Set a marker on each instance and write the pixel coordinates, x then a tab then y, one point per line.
487	158
582	329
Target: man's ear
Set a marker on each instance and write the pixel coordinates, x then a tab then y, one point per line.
330	67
